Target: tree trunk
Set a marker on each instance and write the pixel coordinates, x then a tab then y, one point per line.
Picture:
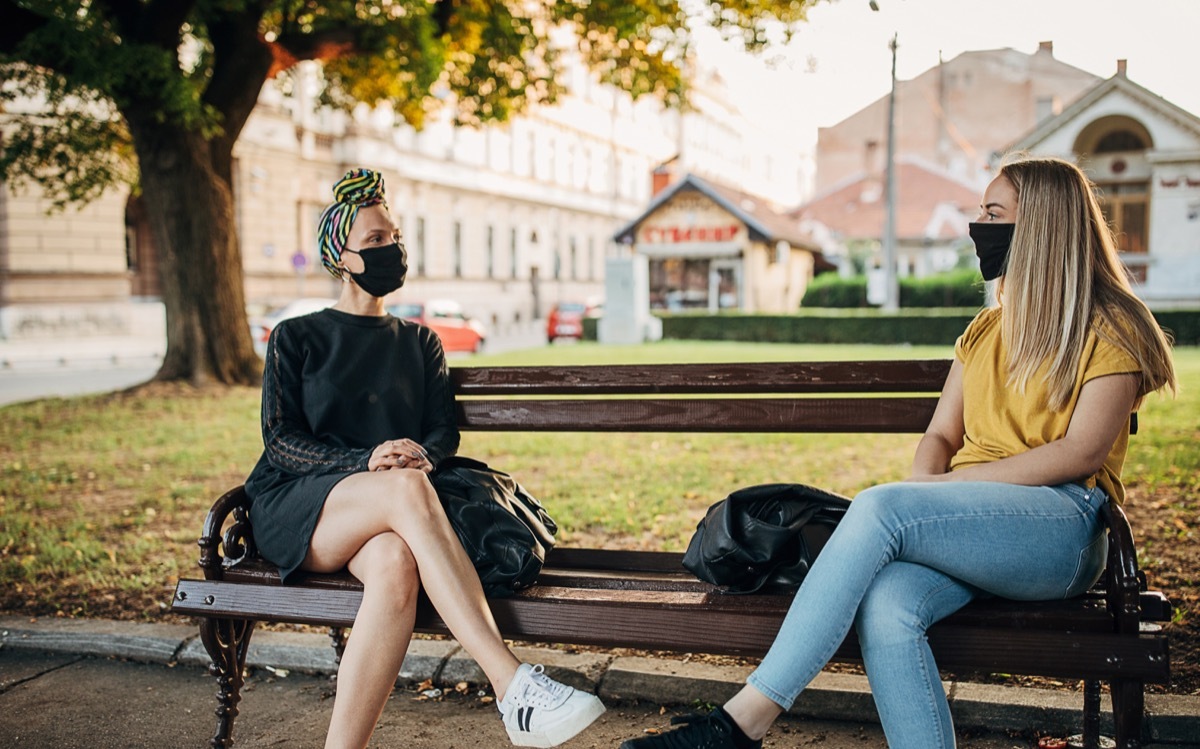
190	208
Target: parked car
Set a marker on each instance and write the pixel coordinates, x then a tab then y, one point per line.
458	331
566	319
261	327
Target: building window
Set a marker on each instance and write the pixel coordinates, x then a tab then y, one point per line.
1127	209
458	250
512	253
574	258
1120	140
678	283
419	247
491	252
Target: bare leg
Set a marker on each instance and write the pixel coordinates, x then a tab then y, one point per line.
753	711
403	502
379	640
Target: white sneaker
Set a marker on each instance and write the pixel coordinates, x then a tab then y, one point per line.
538	711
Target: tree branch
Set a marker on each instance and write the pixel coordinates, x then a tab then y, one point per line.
443	12
242	62
18	24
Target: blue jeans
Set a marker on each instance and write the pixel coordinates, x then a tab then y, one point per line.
907	555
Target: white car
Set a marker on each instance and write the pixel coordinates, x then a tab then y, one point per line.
261	327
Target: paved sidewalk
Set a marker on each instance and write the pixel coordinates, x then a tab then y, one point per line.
42	368
1171	720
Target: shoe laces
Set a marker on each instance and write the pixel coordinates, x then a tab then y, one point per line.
542	691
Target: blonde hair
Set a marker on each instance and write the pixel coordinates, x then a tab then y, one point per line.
1063	278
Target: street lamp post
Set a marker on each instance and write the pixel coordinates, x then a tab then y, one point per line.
892	299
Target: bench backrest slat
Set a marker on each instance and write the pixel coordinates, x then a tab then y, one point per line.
798	415
916	376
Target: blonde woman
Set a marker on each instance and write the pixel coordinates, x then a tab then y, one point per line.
1025	446
356	411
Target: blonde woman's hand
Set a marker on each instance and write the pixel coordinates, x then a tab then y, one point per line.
401	453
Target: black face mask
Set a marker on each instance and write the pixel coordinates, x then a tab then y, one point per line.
384	269
991	245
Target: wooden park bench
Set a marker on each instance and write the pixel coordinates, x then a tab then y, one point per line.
646	600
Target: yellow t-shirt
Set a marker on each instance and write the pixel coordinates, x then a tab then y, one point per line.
1000	422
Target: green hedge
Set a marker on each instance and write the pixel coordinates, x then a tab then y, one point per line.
1183	324
958	288
934	327
831	290
916	326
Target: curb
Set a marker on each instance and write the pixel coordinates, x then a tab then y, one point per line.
91	353
831	696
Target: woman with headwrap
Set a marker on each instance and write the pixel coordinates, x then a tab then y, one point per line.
356	411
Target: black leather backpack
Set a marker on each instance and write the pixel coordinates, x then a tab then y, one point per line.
764	538
505	530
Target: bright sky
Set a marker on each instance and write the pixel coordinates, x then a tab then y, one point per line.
839	62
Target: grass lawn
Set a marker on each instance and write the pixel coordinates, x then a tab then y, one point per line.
102	497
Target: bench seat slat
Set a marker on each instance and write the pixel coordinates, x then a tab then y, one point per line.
676	591
914	376
688	621
775	415
616	575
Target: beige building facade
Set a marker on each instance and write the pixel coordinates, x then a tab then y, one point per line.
67	272
507	219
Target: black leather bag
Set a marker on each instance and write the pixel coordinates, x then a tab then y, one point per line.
764	538
506	532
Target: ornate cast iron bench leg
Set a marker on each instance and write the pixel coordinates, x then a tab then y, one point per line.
226	641
1128	704
337	636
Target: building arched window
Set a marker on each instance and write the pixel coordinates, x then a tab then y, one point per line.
1114	148
1120	140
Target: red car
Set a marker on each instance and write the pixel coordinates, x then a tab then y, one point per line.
565	321
446	318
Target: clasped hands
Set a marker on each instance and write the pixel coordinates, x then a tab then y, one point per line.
401	453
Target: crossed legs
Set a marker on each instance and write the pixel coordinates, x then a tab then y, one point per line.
388	527
905	556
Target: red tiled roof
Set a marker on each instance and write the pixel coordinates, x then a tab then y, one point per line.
856	210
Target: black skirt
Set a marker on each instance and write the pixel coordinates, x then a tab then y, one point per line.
284	513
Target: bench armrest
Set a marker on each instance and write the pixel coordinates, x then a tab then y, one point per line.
237	542
1123	581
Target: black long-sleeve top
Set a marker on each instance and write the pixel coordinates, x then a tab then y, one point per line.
335	386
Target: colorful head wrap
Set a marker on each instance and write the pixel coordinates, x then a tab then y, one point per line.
357	189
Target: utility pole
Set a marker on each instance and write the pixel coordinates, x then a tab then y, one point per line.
892	299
